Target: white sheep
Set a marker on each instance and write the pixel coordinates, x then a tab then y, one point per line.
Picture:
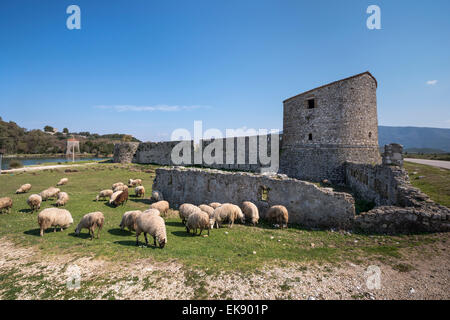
208	209
120	187
49	193
104	194
215	205
161	206
63	181
199	220
91	221
24	188
34	201
129	220
5	204
116	185
54	217
63	198
114	196
186	209
251	212
279	215
157	195
134	182
152	211
140	191
153	225
228	212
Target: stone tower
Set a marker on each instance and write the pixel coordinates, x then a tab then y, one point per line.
327	126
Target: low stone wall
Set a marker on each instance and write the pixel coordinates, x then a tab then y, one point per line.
308	205
386	185
392	220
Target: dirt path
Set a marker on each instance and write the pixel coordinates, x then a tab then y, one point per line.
433	163
36	168
422	273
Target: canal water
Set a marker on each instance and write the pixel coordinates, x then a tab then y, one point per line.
37	161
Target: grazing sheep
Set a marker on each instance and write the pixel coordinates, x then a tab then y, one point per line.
91	221
5	204
157	195
63	198
153	225
49	193
199	220
161	206
24	188
215	205
228	212
114	196
115	185
34	201
54	217
187	209
251	212
104	194
63	181
120	187
208	209
152	211
129	220
121	198
140	191
278	214
135	182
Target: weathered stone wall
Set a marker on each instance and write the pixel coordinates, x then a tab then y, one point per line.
307	204
377	183
243	157
342	127
124	152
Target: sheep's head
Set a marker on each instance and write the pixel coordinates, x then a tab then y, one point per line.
162	243
212	221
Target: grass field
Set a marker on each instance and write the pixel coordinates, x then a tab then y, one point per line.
242	247
435	182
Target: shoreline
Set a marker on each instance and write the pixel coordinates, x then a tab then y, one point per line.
54	155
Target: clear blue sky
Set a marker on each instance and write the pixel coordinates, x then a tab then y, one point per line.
228	63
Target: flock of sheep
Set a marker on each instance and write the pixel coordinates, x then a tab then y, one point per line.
202	217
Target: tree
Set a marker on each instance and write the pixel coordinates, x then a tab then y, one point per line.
48	129
65	130
127	138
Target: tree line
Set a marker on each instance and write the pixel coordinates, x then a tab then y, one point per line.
17	140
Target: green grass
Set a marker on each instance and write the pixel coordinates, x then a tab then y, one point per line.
436	181
224	250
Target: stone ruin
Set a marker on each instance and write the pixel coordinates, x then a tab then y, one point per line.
330	134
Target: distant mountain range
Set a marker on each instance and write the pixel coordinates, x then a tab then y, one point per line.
416	139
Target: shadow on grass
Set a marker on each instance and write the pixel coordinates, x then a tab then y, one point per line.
36	232
82	235
141	200
120	232
25	211
182	234
175	224
132	243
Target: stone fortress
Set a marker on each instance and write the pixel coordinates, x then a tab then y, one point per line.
330	135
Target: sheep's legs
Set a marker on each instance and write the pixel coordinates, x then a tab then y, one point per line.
154	241
145	236
201	230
